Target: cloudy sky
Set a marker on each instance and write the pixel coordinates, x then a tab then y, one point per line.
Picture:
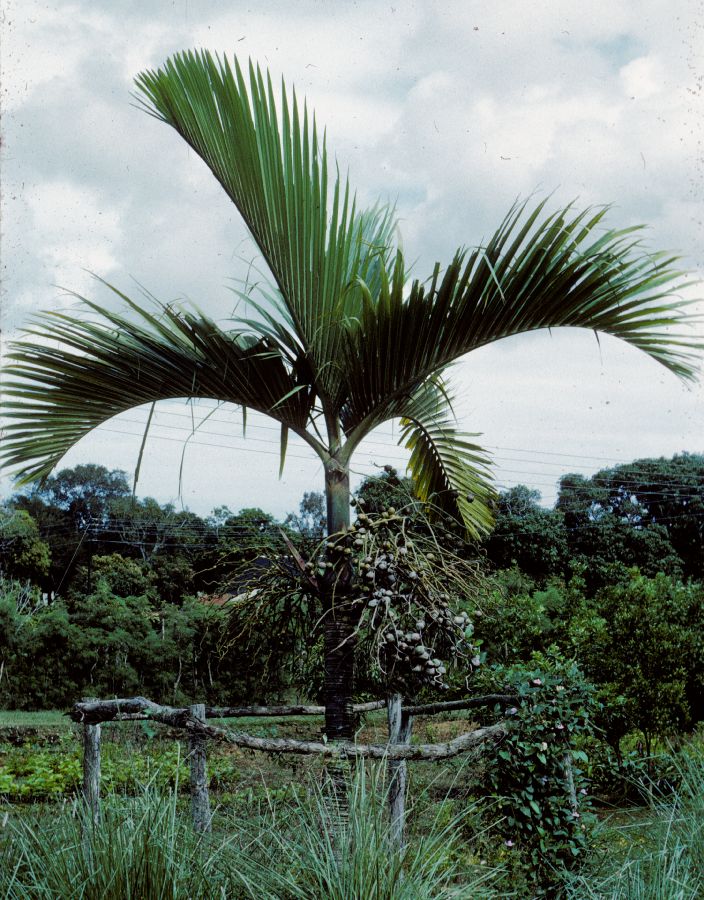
451	109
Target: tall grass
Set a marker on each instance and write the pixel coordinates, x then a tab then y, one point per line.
302	855
141	849
144	848
669	862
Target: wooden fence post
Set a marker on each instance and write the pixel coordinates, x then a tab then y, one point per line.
200	801
400	726
91	771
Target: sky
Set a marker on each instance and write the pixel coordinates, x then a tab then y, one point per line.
451	110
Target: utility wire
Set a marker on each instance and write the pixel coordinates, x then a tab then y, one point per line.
187	523
171	527
610	459
273	529
403	459
393	445
75	553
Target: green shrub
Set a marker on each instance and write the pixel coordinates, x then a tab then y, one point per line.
632	777
545	823
640	641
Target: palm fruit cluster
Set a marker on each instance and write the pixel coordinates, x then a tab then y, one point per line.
400	585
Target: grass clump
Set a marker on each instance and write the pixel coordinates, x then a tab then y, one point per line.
302	855
144	848
667	863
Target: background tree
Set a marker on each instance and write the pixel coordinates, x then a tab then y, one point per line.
527	535
641	641
649	514
123	577
310	522
339	342
668	493
379	492
85	491
243	538
23	554
521	616
70	509
150	529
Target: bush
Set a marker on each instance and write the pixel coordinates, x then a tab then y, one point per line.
537	776
633	776
518	619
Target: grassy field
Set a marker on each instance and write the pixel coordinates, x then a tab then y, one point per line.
58	720
49	718
374	727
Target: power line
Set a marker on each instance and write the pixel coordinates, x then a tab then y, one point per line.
390	456
273	530
275	527
275	428
186	524
70	562
386	444
216	418
610	459
387	456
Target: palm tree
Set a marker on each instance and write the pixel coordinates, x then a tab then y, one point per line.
339	342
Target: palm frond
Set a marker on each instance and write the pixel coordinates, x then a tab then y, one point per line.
274	166
449	470
538	271
71	374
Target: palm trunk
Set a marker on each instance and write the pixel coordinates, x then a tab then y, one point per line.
339	678
339	663
339	626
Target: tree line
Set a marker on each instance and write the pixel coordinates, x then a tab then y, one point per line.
109	594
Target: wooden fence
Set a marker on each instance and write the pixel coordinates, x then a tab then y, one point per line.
193	720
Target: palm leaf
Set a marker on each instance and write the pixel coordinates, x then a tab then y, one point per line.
143	444
274	167
537	272
449	470
55	394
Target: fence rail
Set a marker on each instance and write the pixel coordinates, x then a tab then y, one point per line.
94	711
91	713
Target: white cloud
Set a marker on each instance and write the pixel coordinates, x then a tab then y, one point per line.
74	231
41	44
643	77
